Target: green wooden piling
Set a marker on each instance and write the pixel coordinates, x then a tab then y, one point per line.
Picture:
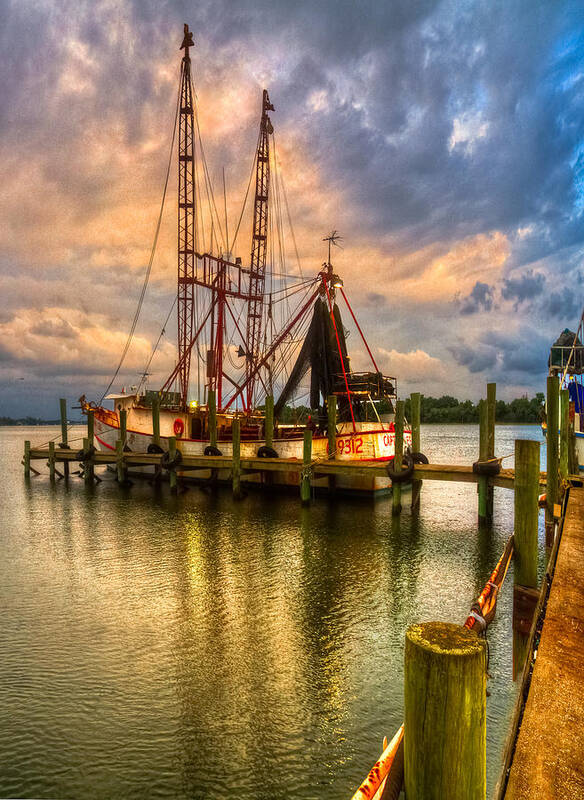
415	405
491	408
306	461
64	432
123	426
526	512
172	477
552	489
445	753
88	469
212	408
120	467
156	420
483	482
52	461
398	457
90	427
269	420
331	405
564	432
27	459
236	466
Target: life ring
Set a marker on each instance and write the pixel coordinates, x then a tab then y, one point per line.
420	458
266	451
178	427
489	468
406	471
211	450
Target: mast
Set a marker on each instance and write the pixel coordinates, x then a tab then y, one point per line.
258	251
186	222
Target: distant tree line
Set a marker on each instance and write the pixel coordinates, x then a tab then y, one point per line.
28	421
448	409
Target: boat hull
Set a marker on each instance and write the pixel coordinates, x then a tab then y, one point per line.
373	442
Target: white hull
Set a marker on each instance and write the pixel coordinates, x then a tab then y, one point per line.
373	441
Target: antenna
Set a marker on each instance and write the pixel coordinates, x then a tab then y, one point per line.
332	238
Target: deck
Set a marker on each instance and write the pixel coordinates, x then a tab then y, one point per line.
549	755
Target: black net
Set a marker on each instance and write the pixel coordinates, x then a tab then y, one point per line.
567	351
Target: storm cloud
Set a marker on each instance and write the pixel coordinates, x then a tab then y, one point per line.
443	140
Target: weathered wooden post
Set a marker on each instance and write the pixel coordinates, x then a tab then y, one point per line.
236	466
26	459
305	474
90	427
552	457
525	595
212	407
88	470
483	482
396	506
331	407
121	470
564	432
64	432
156	420
52	461
269	420
172	477
445	733
415	405
491	409
526	512
123	427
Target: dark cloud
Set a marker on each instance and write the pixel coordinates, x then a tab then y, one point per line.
475	359
375	299
59	328
565	304
479	299
524	288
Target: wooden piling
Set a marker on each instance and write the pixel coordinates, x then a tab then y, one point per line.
51	461
331	405
445	713
156	420
552	491
415	405
526	512
269	420
483	482
120	467
212	408
236	468
172	476
123	427
396	506
564	432
305	474
491	409
64	432
90	427
88	469
27	459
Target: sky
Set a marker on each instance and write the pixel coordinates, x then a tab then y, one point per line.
443	140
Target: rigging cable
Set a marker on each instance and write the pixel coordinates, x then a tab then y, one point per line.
152	252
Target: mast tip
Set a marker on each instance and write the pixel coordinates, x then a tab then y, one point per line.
188	38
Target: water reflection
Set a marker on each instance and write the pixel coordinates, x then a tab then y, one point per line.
189	646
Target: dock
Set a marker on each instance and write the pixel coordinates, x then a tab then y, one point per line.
549	753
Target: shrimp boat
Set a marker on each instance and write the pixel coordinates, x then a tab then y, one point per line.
566	362
253	333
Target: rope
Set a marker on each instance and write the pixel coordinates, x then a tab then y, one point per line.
152	251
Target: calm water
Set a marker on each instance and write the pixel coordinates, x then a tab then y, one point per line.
193	647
